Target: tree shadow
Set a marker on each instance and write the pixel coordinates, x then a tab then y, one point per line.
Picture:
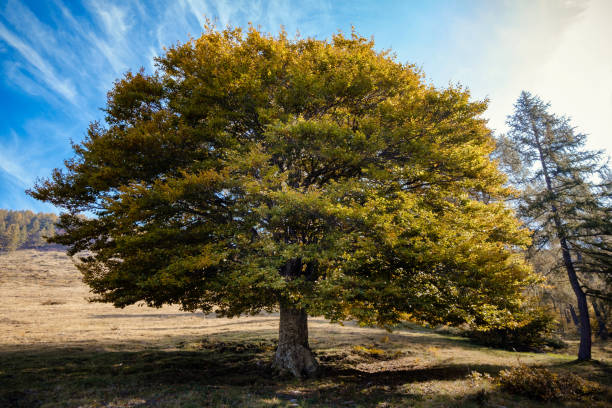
49	375
446	372
36	377
596	370
223	367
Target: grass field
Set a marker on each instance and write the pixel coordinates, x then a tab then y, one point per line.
58	350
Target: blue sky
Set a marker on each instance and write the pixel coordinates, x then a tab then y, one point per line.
59	58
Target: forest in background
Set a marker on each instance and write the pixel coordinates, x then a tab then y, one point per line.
26	230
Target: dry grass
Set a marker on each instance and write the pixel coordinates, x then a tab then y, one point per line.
56	349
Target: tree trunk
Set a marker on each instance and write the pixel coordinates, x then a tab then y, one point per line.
602	331
584	350
574	317
293	354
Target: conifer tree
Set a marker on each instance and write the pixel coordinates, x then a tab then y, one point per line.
324	178
590	237
564	194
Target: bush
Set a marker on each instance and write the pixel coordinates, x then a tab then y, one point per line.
556	343
543	384
531	332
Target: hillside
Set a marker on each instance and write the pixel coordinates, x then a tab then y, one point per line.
56	349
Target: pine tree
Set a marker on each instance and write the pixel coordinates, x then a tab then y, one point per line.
590	238
564	196
316	177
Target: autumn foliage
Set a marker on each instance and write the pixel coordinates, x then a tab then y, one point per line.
253	171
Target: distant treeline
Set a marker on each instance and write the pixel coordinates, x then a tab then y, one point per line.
26	230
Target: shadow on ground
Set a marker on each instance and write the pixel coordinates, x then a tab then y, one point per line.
216	373
65	375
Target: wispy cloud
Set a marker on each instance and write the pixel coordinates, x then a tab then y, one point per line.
15	73
61	57
64	56
114	43
198	9
13	196
10	165
61	85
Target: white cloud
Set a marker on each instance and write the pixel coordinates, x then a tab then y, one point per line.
113	19
28	27
62	86
115	44
13	196
19	79
198	9
557	50
577	77
26	156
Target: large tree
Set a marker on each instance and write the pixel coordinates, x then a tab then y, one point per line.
254	172
565	197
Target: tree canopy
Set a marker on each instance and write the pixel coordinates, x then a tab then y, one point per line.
252	171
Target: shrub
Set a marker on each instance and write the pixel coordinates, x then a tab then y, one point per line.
543	384
531	332
556	343
370	352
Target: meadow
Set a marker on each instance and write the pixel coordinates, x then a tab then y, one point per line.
59	350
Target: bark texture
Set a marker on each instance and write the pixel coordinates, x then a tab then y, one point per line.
293	354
